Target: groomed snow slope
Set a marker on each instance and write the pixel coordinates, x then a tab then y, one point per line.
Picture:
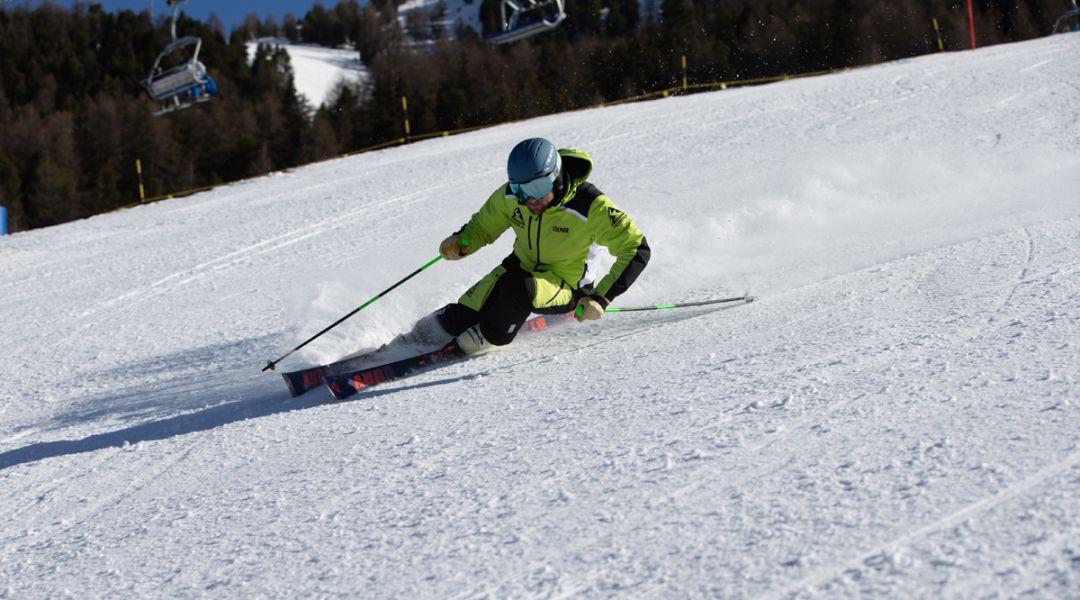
898	415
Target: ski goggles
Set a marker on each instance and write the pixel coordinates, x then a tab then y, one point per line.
536	188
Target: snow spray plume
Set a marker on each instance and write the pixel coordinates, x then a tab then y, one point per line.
272	363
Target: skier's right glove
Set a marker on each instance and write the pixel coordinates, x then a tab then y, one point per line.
453	248
589	308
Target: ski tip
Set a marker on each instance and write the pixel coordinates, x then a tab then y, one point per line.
338	389
289	384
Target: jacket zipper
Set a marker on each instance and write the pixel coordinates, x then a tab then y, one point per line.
539	221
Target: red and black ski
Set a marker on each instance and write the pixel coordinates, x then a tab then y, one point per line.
346	384
303	380
312	377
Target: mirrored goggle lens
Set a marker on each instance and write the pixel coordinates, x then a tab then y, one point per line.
537	188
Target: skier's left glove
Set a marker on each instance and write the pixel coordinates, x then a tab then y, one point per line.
453	248
590	308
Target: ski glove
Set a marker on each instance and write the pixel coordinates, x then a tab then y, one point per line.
452	248
588	309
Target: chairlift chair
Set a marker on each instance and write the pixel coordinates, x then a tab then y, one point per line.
1072	13
183	85
546	14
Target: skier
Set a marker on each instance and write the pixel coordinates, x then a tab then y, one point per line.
556	216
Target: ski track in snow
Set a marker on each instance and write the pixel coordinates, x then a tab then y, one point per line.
867	559
895	416
806	425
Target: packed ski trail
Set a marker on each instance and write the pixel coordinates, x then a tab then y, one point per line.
897	415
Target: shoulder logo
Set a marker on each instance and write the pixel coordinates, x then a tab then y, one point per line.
616	216
517	219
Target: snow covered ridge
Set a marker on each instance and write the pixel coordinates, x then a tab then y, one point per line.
895	416
317	70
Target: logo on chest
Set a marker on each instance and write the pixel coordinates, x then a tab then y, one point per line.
517	218
558	229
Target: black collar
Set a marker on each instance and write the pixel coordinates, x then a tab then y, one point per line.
562	184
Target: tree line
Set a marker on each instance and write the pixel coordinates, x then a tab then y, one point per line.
74	118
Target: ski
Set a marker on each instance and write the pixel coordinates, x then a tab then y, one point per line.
346	384
351	375
303	380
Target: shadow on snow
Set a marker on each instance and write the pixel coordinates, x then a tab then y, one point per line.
269	397
256	407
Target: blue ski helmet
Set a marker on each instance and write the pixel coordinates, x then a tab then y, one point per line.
533	167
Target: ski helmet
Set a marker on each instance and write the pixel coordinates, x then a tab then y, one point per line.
533	167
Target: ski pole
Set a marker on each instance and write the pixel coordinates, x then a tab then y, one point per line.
270	364
613	309
746	298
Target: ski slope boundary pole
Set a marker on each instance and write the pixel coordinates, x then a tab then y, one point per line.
971	23
272	363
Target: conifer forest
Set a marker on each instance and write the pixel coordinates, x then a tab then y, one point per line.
74	117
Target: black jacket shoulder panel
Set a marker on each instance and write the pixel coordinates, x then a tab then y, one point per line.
583	198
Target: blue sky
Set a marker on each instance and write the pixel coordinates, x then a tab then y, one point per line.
232	12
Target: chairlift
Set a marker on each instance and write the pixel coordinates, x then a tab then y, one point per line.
184	84
545	15
1073	13
178	80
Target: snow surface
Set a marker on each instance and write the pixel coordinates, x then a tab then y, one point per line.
317	71
897	416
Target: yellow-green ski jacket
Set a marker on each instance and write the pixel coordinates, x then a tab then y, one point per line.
558	240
